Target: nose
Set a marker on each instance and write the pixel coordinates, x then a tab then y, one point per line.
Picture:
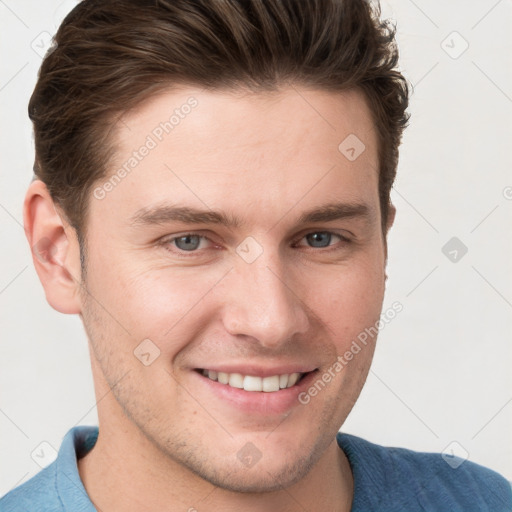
262	303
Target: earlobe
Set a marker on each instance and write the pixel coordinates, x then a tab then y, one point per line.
55	250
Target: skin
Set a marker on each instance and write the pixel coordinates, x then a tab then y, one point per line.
167	443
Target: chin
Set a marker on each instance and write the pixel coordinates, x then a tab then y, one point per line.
247	471
261	478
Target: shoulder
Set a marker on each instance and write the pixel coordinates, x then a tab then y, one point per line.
56	488
36	495
399	479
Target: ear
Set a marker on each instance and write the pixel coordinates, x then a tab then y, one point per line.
389	223
55	249
391	217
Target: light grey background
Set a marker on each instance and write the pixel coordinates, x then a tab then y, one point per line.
441	377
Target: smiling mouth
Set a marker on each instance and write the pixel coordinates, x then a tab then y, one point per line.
253	383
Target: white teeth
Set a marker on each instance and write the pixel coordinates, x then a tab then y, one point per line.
271	383
222	377
236	380
294	377
253	383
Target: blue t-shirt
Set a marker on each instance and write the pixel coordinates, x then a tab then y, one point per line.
385	480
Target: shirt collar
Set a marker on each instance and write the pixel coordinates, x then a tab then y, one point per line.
76	444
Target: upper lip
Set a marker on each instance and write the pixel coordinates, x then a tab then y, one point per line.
260	371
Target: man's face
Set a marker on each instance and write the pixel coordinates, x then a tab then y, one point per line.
272	295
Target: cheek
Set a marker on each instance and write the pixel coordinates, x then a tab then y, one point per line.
352	297
162	304
168	297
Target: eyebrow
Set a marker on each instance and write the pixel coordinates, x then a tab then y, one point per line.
165	213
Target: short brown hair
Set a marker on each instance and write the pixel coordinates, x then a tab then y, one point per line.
109	55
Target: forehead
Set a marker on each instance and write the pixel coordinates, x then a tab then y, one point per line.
255	154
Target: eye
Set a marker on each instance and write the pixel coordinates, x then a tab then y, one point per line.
188	242
319	239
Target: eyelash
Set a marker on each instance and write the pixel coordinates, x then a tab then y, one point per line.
187	254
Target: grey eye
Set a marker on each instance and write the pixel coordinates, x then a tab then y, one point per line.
319	239
187	242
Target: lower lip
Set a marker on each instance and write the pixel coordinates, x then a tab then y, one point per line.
258	402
